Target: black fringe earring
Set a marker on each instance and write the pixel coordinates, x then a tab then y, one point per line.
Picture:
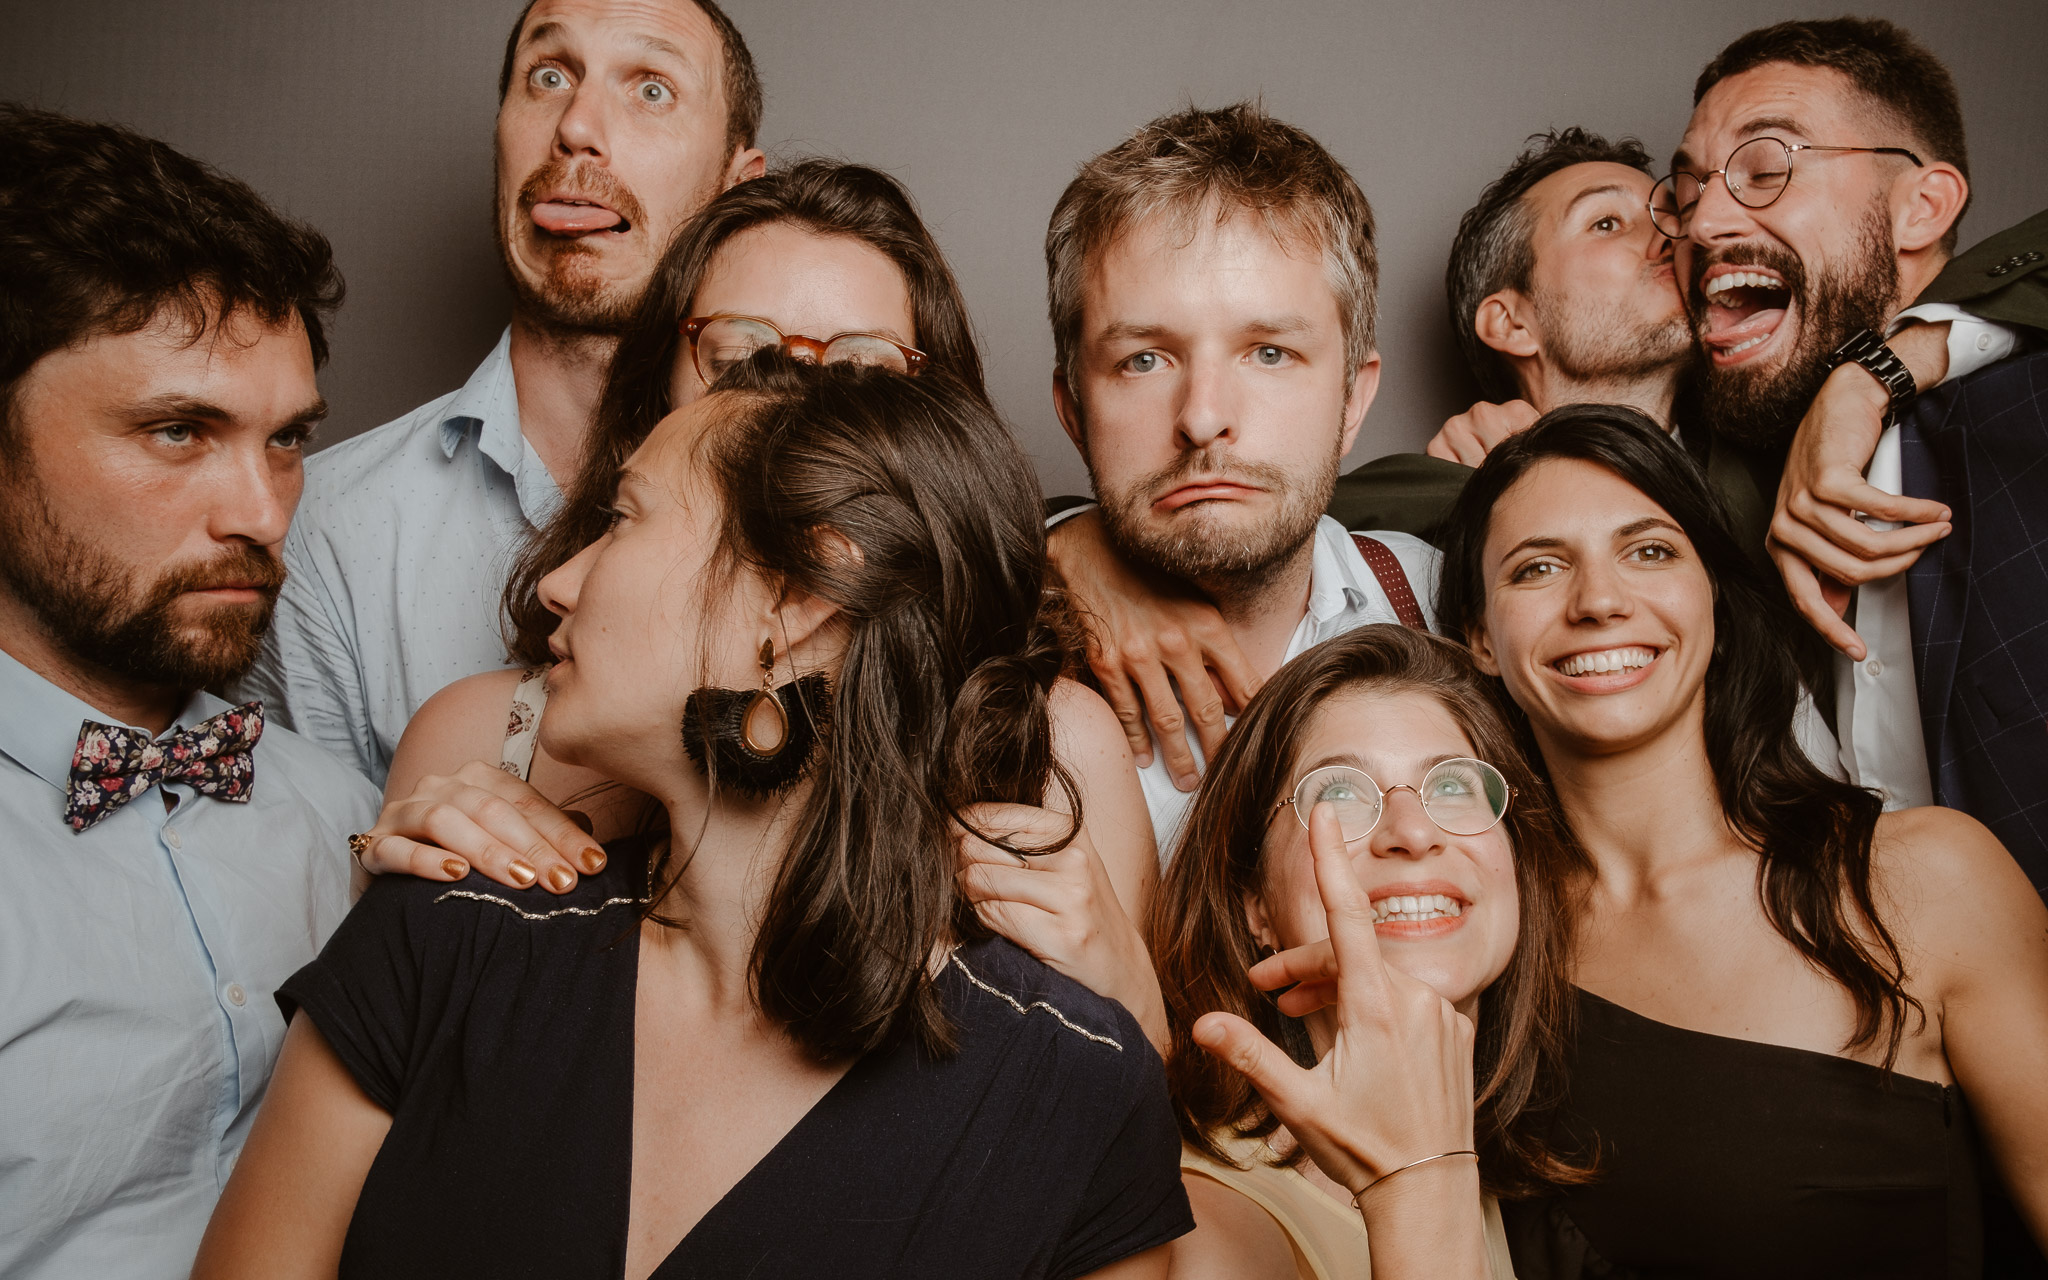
757	741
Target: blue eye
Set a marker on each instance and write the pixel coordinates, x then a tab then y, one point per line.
1271	357
1143	362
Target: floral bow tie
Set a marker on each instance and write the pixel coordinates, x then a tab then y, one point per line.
115	764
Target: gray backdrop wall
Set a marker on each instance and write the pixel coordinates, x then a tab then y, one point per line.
372	119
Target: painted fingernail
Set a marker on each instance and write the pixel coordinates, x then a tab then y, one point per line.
456	868
593	860
561	879
522	873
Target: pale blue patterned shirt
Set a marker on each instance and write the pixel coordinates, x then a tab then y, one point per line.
138	960
397	559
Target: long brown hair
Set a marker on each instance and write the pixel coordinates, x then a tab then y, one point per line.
1203	942
824	196
940	698
1812	833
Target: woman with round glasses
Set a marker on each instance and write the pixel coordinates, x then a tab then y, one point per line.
1799	1017
1380	753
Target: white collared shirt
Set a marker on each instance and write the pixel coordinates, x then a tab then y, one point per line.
1877	700
397	559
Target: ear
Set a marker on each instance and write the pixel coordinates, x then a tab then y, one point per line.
1068	407
1503	323
1926	204
748	163
1365	384
1262	928
797	616
1481	646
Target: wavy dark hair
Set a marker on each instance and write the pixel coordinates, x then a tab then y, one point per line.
1203	943
103	229
822	196
1812	832
940	698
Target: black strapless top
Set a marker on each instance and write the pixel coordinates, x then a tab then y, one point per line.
1722	1157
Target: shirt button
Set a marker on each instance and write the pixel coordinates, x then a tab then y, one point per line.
236	996
1874	667
172	839
1983	342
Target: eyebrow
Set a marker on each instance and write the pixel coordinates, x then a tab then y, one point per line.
1545	542
1269	326
1352	761
176	405
1762	124
655	44
1604	189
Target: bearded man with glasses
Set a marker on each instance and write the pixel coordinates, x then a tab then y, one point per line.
1817	190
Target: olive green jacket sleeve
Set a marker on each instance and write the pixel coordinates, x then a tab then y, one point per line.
2003	279
1404	492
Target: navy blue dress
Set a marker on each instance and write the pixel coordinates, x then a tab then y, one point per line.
497	1028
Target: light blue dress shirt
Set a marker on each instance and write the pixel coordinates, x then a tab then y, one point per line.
397	559
138	962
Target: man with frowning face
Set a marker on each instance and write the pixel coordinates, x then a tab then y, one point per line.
169	858
1212	294
1818	187
617	121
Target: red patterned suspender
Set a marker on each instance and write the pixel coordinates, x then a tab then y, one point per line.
1386	566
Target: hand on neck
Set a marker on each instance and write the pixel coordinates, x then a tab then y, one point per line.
1263	610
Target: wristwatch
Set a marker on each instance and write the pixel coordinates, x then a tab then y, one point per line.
1867	349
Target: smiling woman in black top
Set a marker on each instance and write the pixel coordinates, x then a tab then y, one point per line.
769	1040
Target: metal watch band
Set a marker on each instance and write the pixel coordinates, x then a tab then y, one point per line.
1867	349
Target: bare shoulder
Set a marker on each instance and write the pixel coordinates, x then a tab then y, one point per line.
1954	892
1086	729
463	722
1233	1239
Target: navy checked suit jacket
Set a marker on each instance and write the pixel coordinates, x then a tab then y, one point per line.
1979	599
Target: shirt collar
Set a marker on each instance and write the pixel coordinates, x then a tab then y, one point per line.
40	729
1333	586
487	407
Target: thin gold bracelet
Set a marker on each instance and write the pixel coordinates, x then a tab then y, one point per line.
1403	1169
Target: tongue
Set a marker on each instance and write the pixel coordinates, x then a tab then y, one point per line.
564	219
1727	326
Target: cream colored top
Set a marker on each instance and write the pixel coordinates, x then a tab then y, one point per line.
1328	1235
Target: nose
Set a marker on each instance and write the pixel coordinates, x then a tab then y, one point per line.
581	132
257	492
560	590
1405	829
1208	410
1719	216
1598	594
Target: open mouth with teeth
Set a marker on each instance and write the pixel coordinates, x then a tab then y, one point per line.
1417	914
1744	307
570	217
1603	670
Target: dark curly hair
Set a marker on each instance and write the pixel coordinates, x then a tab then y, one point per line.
102	229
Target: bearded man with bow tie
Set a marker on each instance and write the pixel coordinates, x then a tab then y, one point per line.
166	861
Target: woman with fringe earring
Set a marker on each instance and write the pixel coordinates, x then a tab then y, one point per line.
770	1037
